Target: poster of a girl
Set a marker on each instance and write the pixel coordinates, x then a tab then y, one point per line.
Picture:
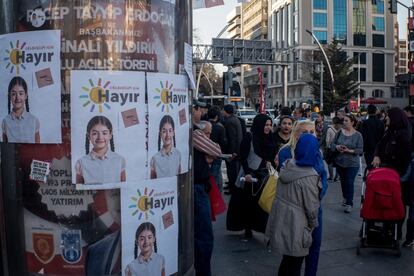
147	262
167	161
101	164
19	126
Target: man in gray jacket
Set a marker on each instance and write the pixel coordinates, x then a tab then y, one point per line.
234	138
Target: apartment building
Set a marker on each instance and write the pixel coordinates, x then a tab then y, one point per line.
254	16
402	57
365	29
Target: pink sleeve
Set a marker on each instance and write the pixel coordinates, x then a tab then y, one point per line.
202	143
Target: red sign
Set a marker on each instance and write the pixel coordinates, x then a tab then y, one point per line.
411	23
411	66
262	108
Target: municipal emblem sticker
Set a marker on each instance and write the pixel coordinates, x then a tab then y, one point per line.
43	246
70	244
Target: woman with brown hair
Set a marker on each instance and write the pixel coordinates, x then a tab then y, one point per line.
348	144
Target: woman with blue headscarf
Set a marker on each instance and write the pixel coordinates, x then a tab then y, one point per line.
294	212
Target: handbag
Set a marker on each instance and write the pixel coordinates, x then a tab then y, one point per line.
217	203
269	191
329	154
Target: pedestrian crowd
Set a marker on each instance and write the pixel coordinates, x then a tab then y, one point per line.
309	153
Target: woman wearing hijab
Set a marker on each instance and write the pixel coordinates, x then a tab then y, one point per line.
394	151
286	153
257	153
294	212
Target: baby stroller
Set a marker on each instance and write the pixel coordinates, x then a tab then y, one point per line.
381	209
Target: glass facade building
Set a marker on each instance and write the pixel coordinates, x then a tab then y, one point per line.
359	15
339	20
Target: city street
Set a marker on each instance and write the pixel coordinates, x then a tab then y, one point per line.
233	255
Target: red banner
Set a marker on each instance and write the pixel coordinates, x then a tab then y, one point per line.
262	108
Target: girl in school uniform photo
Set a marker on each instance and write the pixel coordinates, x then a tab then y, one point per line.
19	126
148	261
101	164
167	161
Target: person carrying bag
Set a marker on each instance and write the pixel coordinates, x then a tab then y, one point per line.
257	152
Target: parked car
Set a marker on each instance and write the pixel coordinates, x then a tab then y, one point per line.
248	115
270	113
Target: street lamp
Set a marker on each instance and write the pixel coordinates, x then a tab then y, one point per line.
325	56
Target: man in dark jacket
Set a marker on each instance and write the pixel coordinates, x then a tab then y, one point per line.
234	137
409	111
203	229
372	130
218	135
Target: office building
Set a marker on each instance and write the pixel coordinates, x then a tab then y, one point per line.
365	29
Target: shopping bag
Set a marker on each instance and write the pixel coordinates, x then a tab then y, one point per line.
217	203
269	191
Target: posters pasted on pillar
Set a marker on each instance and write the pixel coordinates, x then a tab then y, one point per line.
63	226
108	128
168	134
30	110
150	227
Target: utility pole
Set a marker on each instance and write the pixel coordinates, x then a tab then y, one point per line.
321	85
325	56
285	83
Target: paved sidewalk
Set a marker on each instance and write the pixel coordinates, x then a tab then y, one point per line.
233	255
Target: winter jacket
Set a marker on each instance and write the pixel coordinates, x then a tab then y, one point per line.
234	134
294	211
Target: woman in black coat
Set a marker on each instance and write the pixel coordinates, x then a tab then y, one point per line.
257	153
394	151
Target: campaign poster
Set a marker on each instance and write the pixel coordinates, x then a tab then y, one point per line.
168	136
68	231
149	220
30	87
108	128
108	35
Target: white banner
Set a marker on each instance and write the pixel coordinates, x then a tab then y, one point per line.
149	219
108	128
168	136
30	87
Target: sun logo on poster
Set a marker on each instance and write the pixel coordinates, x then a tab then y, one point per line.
166	97
100	96
96	95
144	203
17	56
13	54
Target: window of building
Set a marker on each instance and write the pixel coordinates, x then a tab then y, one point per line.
339	20
295	66
362	58
362	93
319	20
277	29
283	27
403	55
322	36
378	24
362	74
378	67
397	92
319	4
378	40
378	6
377	93
289	25
359	22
